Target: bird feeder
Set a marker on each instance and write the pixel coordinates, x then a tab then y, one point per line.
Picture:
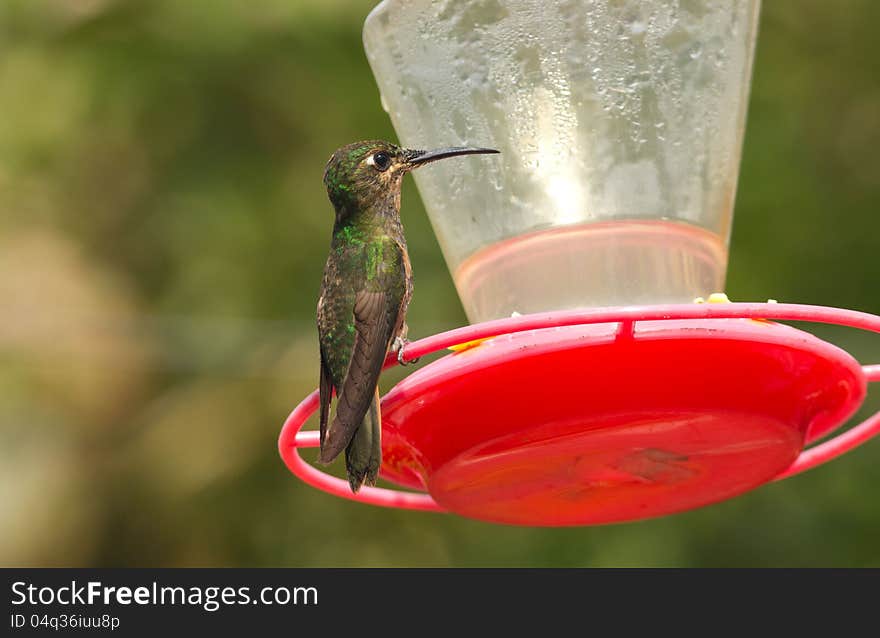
589	388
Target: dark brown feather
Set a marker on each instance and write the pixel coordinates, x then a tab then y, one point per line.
374	319
325	392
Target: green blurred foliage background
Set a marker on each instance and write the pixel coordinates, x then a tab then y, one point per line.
163	229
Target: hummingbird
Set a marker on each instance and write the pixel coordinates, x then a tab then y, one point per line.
365	293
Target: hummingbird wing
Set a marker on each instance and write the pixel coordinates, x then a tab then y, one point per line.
375	315
325	391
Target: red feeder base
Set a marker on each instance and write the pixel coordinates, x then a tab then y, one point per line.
574	426
607	422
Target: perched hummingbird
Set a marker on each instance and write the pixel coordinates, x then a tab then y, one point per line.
365	293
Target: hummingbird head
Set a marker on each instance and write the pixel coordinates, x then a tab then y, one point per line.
362	174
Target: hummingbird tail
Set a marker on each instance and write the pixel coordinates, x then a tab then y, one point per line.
363	456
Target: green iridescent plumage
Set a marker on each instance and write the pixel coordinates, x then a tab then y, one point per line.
365	293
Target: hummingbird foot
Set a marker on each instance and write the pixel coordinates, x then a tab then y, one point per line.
397	346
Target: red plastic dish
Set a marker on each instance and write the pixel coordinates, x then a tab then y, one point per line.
611	414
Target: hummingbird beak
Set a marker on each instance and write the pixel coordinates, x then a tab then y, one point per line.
414	159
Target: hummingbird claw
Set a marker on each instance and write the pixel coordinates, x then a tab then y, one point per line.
398	346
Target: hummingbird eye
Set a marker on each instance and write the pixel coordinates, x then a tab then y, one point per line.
380	160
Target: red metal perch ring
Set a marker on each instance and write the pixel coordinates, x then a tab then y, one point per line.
624	322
